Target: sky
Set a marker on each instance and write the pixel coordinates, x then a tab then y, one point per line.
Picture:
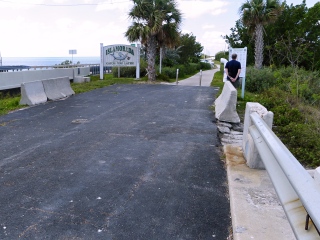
50	28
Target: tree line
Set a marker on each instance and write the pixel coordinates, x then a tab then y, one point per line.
278	34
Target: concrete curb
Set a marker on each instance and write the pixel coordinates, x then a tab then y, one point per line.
255	209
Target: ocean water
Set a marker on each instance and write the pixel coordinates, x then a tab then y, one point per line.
47	61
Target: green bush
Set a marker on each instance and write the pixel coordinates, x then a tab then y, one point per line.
303	142
300	83
191	68
162	77
259	80
204	66
130	72
221	54
172	71
290	126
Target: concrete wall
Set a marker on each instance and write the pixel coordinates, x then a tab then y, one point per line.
10	80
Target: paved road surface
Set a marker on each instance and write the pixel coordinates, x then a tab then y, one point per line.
123	162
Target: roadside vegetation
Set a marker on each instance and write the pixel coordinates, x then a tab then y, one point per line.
292	94
286	73
168	73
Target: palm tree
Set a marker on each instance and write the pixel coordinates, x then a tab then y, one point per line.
155	24
254	15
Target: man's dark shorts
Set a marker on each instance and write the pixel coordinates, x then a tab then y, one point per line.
236	84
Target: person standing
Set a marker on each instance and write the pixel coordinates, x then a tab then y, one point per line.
233	70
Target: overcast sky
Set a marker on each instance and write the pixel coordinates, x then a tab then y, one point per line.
50	28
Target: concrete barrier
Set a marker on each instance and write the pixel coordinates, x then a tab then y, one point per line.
225	104
63	84
32	93
224	61
57	88
84	71
81	79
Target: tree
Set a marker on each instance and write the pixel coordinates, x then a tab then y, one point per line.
239	38
156	24
221	54
298	45
255	14
190	49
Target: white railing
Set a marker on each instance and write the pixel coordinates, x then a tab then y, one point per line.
298	192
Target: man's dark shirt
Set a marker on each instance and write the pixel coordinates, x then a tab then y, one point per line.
233	66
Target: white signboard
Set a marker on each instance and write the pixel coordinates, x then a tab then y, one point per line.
120	55
73	51
242	58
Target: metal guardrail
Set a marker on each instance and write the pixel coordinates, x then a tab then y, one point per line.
298	192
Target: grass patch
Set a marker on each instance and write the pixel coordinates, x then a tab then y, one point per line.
9	102
108	80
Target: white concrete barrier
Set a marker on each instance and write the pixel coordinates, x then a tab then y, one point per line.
32	93
81	79
225	104
63	84
57	88
224	61
84	71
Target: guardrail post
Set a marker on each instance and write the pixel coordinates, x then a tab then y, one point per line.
250	151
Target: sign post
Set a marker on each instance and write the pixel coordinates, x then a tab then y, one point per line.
101	61
242	58
73	51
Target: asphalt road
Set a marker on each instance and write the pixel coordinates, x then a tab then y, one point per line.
123	162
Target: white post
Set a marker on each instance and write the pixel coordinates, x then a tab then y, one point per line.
177	75
101	61
160	60
243	84
138	62
200	77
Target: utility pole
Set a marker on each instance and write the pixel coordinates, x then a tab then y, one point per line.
0	59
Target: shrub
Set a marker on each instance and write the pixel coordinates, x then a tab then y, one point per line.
191	68
205	66
259	80
130	72
163	77
170	72
303	142
295	124
221	54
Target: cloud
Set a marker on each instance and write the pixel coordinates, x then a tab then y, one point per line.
20	4
212	42
208	26
194	9
115	5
